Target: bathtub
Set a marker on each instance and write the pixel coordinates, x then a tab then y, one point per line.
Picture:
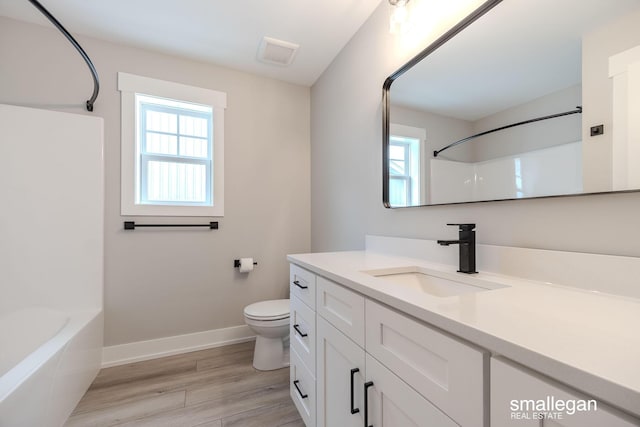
48	359
51	263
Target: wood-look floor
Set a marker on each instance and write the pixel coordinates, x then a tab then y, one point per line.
210	388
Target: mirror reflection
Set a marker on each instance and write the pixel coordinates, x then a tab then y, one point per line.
533	99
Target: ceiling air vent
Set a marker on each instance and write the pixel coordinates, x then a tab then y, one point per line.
278	52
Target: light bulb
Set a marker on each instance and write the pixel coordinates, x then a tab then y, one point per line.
399	21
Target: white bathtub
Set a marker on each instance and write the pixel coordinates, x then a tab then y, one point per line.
48	359
51	263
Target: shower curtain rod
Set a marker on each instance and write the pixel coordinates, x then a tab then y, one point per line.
94	73
578	110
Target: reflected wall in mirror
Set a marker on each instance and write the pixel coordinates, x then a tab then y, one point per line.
542	72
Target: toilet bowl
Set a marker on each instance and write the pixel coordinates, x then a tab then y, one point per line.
270	322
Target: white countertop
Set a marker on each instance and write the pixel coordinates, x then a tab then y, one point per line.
588	340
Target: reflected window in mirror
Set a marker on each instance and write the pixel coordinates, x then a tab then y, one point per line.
406	165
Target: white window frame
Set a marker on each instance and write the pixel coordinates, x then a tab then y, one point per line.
417	164
406	177
129	85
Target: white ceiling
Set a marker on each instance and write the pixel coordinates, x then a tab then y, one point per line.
222	32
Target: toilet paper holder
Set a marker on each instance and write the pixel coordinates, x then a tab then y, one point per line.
236	263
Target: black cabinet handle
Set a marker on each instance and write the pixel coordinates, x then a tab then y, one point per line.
295	384
353	410
297	328
366	403
297	283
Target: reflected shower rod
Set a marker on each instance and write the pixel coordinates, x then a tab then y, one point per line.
578	110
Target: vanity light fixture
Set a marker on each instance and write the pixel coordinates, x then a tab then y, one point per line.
399	20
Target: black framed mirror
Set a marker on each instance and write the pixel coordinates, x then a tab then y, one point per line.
521	99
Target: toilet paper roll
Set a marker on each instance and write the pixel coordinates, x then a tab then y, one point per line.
246	265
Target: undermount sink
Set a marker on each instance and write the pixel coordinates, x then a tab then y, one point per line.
432	283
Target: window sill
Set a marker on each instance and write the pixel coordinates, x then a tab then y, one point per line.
164	210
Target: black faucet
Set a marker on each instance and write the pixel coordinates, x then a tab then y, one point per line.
467	242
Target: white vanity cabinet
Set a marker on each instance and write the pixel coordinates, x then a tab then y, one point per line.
428	359
402	371
513	388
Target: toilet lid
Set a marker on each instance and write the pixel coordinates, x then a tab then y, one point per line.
268	310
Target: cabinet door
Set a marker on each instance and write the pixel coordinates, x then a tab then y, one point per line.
516	391
392	403
337	357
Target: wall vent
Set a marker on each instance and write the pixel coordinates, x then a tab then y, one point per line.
278	52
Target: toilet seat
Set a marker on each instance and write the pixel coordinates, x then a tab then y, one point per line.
268	310
267	323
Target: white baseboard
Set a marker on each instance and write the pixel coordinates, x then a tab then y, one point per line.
145	350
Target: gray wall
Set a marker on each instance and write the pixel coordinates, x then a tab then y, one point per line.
346	178
164	283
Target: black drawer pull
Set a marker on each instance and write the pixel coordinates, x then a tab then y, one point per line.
297	328
353	410
295	383
297	283
366	404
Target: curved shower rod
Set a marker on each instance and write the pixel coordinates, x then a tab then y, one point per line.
578	110
94	73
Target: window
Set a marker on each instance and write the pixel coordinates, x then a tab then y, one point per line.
405	167
172	148
399	172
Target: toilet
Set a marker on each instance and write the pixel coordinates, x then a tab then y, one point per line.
270	322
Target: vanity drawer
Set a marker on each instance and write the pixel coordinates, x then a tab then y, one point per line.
302	331
447	372
303	285
343	308
302	389
511	383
